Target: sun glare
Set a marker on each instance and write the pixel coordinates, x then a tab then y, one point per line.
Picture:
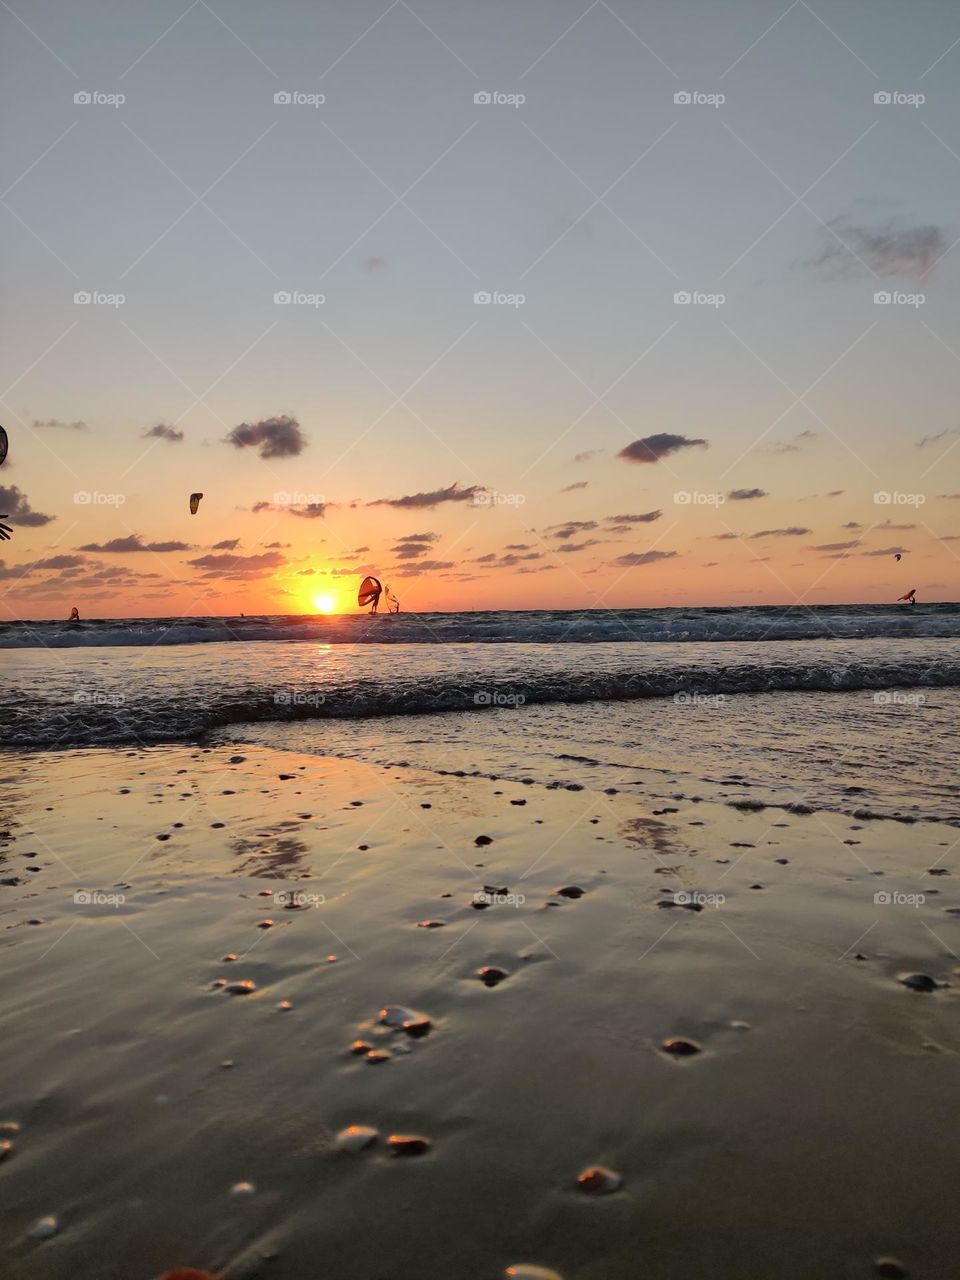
324	604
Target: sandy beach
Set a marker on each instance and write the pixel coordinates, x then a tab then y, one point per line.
808	1131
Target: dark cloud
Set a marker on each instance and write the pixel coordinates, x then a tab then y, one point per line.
567	531
305	510
228	544
17	506
412	537
424	501
634	558
162	432
887	250
517	546
586	455
570	547
424	566
852	524
837	546
661	445
58	425
794	531
133	542
900	528
645	517
253	566
744	495
885	551
578	484
941	435
59	562
274	437
410	550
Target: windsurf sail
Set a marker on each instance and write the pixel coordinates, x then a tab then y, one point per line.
392	599
369	593
195	502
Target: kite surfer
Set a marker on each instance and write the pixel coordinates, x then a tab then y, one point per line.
910	597
74	614
370	593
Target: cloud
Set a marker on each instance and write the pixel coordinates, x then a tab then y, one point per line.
577	484
305	510
252	566
634	558
518	546
852	524
885	551
794	531
424	566
133	542
886	250
793	445
412	537
424	501
587	455
941	435
661	445
645	517
162	432
274	437
744	495
59	562
410	550
837	546
58	425
16	505
567	531
228	544
570	547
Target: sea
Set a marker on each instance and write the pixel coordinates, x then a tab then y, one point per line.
850	708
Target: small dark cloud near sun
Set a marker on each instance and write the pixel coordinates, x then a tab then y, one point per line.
133	542
279	437
744	495
164	432
793	531
228	544
634	558
653	448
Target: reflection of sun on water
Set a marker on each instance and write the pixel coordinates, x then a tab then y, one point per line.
324	604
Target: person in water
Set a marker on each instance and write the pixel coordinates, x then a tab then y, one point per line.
910	597
74	614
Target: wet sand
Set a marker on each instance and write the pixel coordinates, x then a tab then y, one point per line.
811	1134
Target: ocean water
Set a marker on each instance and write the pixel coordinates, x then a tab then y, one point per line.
853	709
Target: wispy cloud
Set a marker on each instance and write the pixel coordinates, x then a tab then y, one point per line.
163	432
433	498
653	448
888	250
133	542
274	437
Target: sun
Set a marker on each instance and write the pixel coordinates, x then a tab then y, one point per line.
324	604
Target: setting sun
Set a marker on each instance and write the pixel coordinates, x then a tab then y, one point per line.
324	604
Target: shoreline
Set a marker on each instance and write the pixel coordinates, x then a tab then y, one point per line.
800	1126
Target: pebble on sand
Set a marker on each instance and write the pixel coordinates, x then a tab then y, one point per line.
527	1271
919	982
231	955
480	841
407	1144
242	988
430	924
378	1055
355	1137
44	1228
599	1181
284	1006
414	1023
360	1046
570	891
889	1267
490	975
6	1148
681	1048
242	1189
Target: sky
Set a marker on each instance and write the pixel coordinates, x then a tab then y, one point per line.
566	305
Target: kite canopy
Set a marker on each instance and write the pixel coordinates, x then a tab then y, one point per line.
4	444
195	502
370	590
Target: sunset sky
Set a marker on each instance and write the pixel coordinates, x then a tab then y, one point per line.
582	440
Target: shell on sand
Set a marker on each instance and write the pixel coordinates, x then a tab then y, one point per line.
680	1047
408	1144
490	975
528	1271
242	988
242	1189
356	1137
410	1020
919	982
44	1228
6	1148
598	1180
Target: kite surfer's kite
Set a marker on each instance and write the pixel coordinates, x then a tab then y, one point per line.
5	530
897	556
369	594
195	502
910	597
4	445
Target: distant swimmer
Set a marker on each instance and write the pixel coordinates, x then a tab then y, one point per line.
74	614
910	597
5	530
